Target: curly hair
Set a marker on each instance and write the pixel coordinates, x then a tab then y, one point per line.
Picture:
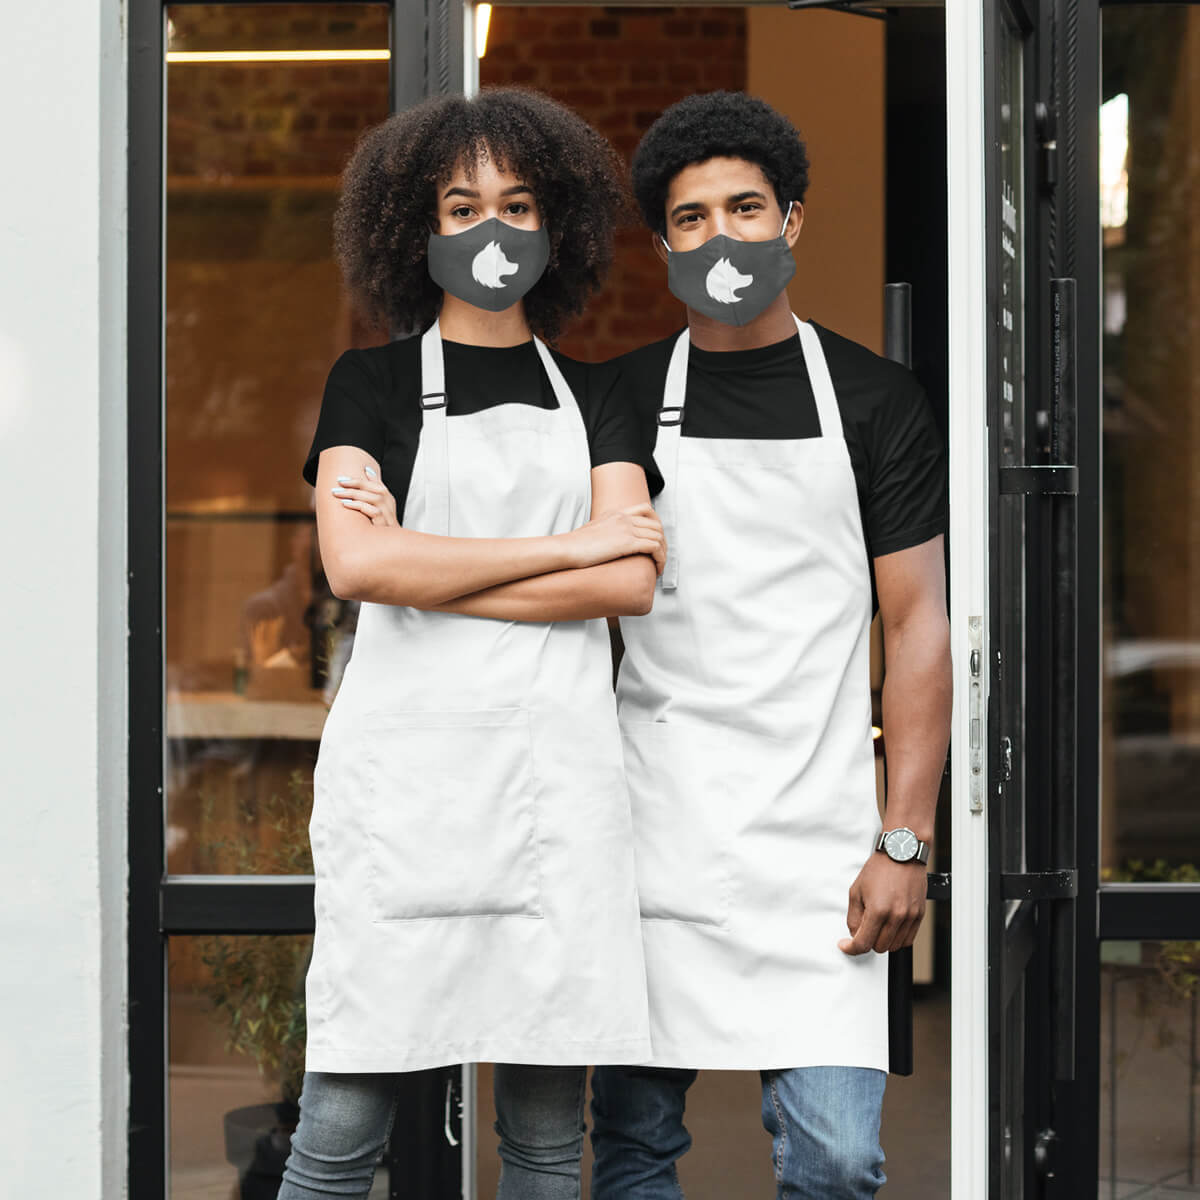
389	199
717	125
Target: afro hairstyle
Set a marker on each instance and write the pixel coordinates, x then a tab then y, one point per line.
389	191
717	125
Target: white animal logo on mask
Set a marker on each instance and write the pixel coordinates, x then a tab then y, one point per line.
490	266
724	280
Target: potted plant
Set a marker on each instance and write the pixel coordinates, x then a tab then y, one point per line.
255	982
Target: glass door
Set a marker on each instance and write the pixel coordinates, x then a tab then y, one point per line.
1032	665
242	116
1088	634
1014	452
1145	816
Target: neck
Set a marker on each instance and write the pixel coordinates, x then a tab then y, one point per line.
463	322
773	324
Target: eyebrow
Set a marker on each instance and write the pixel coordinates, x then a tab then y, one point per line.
470	193
696	206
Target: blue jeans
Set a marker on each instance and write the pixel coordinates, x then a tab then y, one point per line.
823	1122
345	1122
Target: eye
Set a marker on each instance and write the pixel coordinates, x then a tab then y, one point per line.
518	208
688	219
461	211
747	206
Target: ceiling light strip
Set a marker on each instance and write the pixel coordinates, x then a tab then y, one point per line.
276	56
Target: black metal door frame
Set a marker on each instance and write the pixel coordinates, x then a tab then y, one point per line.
1061	1062
1040	742
160	906
1022	850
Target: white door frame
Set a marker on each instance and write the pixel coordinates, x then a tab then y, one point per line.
968	455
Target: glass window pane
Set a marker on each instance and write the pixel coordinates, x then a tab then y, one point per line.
1148	1120
1150	206
235	1012
255	316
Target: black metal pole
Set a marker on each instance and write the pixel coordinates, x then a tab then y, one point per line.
897	326
1065	584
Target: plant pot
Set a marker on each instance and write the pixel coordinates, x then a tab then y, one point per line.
257	1142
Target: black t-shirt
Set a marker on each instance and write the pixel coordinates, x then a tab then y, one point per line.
894	445
372	401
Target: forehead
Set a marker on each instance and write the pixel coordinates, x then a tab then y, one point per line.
715	179
482	173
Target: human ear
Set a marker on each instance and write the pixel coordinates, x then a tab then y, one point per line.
791	227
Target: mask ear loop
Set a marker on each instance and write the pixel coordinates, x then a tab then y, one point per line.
664	244
786	215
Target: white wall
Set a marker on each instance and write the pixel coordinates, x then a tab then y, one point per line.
62	606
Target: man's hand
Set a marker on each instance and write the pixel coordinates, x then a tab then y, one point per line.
887	903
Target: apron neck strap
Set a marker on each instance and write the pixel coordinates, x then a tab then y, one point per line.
666	453
828	413
434	438
562	390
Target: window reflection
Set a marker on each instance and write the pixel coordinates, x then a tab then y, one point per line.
254	317
1148	1124
1151	221
235	1010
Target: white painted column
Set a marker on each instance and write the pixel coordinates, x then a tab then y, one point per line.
62	607
966	203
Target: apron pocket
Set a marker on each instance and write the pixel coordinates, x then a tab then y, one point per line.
680	797
451	817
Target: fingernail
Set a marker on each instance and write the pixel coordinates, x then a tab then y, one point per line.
343	479
337	491
348	503
370	472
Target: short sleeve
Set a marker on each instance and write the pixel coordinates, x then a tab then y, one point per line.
350	413
906	497
615	432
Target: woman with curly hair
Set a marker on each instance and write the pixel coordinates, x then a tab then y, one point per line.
475	896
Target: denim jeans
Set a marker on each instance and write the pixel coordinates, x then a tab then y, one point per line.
823	1122
345	1122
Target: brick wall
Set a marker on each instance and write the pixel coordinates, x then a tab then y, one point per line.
619	68
232	124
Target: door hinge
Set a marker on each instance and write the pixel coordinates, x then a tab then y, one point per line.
1062	884
1050	480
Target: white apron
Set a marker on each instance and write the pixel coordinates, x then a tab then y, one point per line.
744	700
475	895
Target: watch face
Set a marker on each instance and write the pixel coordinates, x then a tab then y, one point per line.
901	845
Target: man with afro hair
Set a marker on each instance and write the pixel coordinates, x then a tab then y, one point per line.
804	490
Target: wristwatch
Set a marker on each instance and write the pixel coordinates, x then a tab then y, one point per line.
903	846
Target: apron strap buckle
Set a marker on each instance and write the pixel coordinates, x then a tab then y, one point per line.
433	400
670	414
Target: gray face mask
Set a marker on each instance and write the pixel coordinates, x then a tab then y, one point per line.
730	280
491	265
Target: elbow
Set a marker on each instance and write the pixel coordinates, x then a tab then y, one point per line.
641	602
343	573
639	592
